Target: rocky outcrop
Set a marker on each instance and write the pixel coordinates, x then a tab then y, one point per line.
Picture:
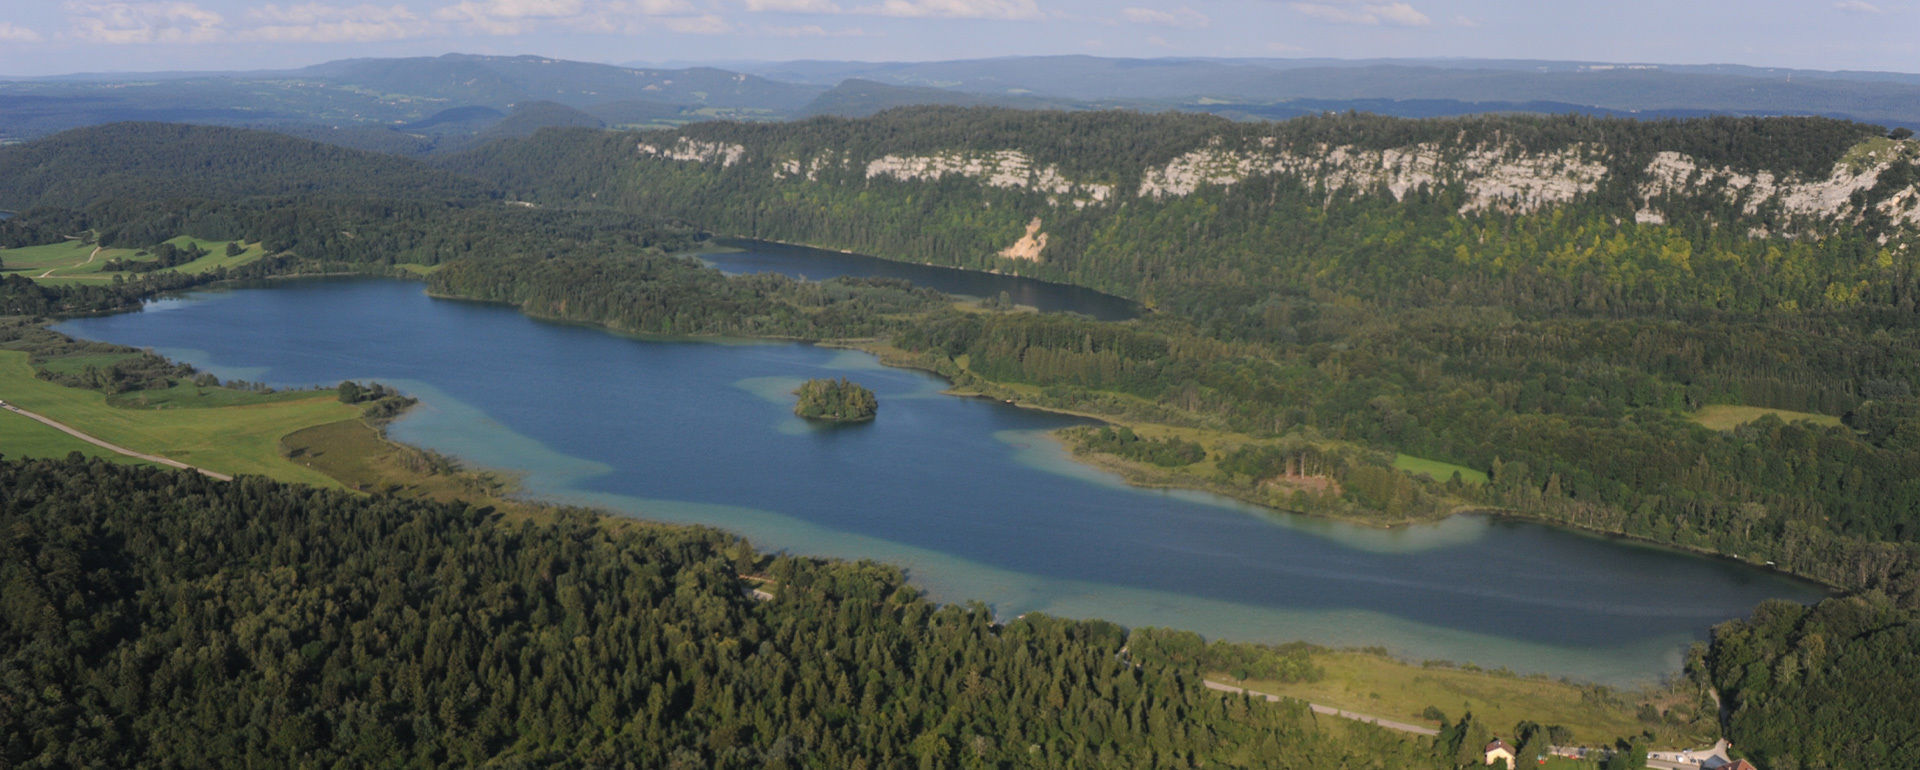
1010	169
695	151
1502	178
1672	173
1495	177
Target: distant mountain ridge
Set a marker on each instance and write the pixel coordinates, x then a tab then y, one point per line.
338	101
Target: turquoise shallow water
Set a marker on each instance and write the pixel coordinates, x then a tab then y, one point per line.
968	495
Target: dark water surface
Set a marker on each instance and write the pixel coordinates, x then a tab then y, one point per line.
969	495
748	256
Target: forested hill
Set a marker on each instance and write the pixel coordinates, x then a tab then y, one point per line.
155	618
157	161
1581	213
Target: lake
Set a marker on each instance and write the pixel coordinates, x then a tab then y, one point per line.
749	256
971	496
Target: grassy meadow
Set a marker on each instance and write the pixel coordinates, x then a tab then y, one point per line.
1728	417
231	439
73	261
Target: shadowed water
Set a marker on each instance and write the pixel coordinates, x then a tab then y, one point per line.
970	495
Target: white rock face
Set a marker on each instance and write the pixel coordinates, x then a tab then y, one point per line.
1496	177
1502	178
695	151
1010	169
1825	198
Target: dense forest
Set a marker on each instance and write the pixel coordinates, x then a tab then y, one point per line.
1828	686
840	400
158	618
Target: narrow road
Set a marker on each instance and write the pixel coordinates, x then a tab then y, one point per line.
96	252
112	447
1328	710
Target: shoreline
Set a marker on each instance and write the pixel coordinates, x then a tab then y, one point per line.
524	504
889	356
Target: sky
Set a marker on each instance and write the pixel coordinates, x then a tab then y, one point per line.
45	37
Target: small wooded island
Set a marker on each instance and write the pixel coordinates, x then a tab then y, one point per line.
838	400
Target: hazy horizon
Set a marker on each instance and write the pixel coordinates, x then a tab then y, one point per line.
143	36
737	62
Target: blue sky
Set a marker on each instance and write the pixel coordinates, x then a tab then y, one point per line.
40	37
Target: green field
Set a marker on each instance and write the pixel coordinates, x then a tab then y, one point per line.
1383	687
1728	417
216	255
75	262
232	439
1438	470
23	437
64	259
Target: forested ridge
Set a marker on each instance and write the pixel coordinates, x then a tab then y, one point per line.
158	618
837	183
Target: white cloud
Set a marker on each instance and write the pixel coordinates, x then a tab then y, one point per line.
513	17
508	17
704	24
650	7
915	9
143	22
320	23
1396	14
1857	6
792	6
1464	21
812	30
1279	47
13	33
1181	17
957	9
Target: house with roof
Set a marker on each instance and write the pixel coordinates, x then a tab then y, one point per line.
1499	751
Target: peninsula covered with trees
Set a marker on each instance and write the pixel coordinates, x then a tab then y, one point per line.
835	400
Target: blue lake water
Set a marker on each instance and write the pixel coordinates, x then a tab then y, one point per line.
969	495
749	256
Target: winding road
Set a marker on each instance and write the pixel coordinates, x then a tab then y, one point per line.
115	448
49	272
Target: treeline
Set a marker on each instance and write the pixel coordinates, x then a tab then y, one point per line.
156	617
1821	687
670	295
